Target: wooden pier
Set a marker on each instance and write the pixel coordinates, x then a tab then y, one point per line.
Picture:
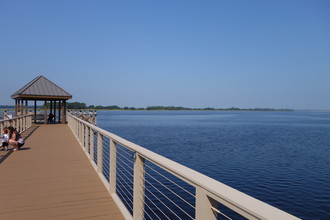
51	178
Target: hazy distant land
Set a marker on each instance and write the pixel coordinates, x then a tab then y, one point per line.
80	106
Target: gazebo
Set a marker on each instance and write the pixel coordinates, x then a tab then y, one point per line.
42	89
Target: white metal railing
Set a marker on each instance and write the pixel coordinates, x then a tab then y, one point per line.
86	115
146	185
20	123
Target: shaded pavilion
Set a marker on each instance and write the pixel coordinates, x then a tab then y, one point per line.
42	89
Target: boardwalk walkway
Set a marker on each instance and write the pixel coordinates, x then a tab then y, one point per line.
51	178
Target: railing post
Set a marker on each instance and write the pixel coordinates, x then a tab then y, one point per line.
73	126
81	134
19	124
78	133
91	148
204	205
24	122
86	137
78	130
76	127
99	152
113	166
83	144
138	194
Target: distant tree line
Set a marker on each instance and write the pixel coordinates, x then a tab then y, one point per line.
166	108
7	106
79	105
76	105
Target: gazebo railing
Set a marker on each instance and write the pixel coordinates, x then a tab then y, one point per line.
20	123
86	115
146	185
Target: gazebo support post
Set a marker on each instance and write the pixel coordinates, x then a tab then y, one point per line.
35	111
64	112
45	112
54	111
17	108
26	107
22	107
59	110
50	108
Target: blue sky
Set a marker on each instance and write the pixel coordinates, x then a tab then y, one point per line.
220	53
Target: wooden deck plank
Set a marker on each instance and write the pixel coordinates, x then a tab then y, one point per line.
51	178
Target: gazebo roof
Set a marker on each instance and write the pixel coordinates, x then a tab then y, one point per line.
41	88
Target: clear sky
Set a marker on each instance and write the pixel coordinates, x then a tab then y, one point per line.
190	53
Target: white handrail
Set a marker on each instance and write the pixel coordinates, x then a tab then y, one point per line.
20	123
209	192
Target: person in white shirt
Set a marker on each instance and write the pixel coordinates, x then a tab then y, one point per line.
5	139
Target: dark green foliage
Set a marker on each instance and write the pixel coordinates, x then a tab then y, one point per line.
76	105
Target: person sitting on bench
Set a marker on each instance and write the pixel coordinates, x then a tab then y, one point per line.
50	118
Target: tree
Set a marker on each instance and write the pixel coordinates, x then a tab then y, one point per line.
76	105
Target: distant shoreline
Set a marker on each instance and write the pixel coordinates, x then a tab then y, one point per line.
82	106
79	105
251	110
273	110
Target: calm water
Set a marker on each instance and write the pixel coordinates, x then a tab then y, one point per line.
282	158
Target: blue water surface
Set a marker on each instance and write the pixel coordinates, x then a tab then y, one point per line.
281	158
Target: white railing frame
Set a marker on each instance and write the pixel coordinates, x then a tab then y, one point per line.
20	123
209	192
